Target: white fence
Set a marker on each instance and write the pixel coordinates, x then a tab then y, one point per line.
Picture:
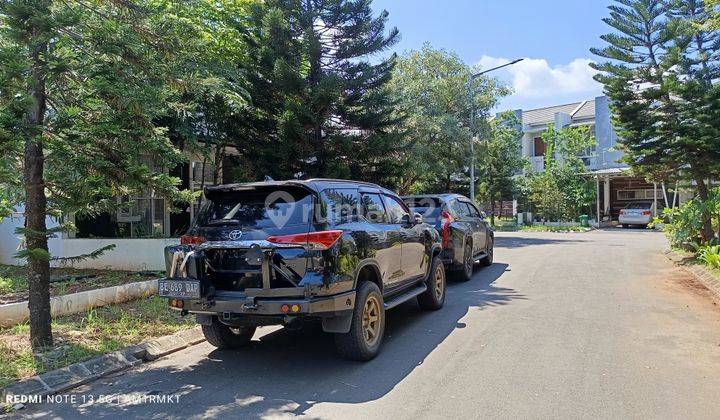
129	254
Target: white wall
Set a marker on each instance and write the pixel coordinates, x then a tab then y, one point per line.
129	254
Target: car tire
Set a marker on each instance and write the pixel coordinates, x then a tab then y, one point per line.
226	337
365	337
488	259
433	298
466	271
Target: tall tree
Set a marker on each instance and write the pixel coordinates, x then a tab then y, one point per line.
323	111
430	87
82	88
714	10
499	159
660	73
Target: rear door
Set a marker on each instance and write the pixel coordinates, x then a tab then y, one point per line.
384	239
414	261
465	222
242	217
480	234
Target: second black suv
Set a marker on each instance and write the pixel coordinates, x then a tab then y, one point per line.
466	236
276	253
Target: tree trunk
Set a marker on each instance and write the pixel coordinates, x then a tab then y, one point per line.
706	233
36	210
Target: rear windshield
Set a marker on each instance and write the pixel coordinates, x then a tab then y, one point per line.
643	206
257	208
429	208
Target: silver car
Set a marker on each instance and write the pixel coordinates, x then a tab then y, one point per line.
636	213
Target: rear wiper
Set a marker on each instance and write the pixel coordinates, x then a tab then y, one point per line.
224	222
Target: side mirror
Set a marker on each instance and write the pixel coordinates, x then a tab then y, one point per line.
483	215
418	218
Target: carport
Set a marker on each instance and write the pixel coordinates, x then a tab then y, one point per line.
616	187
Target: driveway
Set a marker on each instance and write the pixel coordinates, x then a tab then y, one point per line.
587	325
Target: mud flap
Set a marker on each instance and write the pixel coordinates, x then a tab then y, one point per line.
338	323
203	319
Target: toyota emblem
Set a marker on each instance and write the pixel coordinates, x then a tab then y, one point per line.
235	235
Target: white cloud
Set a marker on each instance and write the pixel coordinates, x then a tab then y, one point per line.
534	80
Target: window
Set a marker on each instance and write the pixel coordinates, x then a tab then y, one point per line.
373	208
201	175
143	215
461	209
639	206
396	209
643	194
261	208
473	211
429	208
539	145
202	172
340	205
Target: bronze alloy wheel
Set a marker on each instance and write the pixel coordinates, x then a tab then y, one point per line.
371	320
439	283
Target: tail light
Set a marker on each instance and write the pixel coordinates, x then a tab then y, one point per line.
622	211
318	241
191	240
446	220
647	213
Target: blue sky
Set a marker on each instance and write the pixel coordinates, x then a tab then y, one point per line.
553	35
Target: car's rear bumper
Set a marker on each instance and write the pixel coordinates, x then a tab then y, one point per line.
634	220
234	304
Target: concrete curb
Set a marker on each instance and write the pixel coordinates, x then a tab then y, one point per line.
72	376
14	313
703	275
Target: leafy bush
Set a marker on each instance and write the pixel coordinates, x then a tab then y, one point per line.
562	192
710	255
684	223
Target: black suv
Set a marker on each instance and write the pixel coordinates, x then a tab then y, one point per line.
466	236
277	253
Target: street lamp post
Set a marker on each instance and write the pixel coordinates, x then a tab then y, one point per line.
472	122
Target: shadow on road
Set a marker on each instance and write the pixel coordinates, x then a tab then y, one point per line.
523	241
287	372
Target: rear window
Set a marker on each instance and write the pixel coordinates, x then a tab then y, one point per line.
258	208
429	208
640	206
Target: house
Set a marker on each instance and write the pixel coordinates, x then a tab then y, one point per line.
139	230
615	183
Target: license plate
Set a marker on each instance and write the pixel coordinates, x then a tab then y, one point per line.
188	289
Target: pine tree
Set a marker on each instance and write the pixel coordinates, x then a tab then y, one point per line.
82	88
323	109
660	73
499	159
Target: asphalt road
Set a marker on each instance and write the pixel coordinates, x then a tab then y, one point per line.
587	325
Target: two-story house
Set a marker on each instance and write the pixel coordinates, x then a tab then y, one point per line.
616	186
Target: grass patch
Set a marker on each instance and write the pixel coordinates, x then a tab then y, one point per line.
83	336
543	228
505	225
14	288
